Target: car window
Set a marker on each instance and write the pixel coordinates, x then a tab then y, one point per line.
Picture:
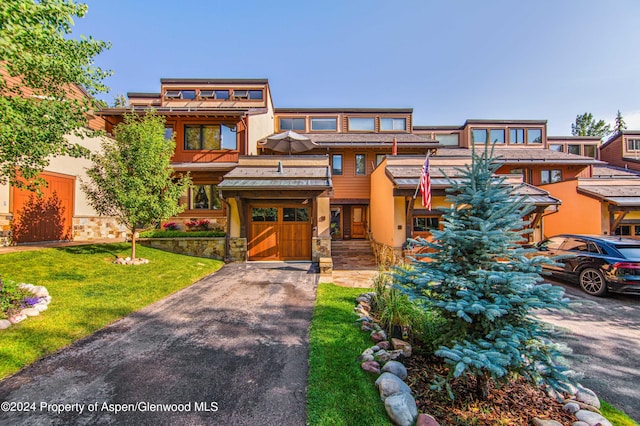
592	247
552	243
630	252
575	244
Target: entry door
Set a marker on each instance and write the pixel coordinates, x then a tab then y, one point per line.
358	224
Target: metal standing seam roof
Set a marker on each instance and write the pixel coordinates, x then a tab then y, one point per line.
269	178
619	195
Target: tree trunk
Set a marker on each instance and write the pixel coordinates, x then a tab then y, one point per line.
482	386
133	244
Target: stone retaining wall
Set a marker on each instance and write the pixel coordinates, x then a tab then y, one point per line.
89	228
386	255
211	247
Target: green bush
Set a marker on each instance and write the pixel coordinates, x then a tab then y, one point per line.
11	298
157	233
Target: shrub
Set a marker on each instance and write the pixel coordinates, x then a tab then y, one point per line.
171	226
13	298
157	233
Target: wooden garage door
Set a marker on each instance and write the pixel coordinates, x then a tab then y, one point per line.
279	233
45	218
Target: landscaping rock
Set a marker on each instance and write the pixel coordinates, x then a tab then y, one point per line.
41	307
383	356
545	422
4	324
396	355
379	336
405	347
397	368
25	286
40	291
389	384
365	327
371	367
588	397
593	419
364	318
31	312
384	345
365	358
584	406
571	407
375	348
426	420
17	318
401	408
364	297
580	424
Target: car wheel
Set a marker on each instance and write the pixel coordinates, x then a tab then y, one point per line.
592	282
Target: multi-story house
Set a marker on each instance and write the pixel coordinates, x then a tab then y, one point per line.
622	149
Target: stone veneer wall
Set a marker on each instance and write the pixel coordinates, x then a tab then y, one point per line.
237	249
95	228
321	247
213	248
386	255
5	230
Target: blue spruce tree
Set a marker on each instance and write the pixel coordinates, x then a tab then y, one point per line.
486	285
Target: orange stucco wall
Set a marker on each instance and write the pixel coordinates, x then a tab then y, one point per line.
382	208
578	213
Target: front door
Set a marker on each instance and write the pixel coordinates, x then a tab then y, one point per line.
358	223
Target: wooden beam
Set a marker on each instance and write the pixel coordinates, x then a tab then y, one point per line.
242	215
409	217
615	221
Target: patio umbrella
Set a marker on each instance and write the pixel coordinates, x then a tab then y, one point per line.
289	142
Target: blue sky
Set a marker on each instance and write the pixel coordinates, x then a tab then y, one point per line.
448	60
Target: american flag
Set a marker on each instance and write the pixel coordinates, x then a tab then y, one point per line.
425	185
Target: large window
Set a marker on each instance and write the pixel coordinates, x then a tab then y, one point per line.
209	137
292	124
324	124
573	149
555	147
550	176
361	124
633	145
393	124
361	164
336	164
496	135
202	137
479	135
487	135
425	223
590	151
204	197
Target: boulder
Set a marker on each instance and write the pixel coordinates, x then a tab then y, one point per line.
41	307
401	345
379	336
594	419
389	384
397	368
588	397
396	355
383	356
17	318
31	312
402	409
545	422
40	291
4	324
365	358
384	345
426	420
371	367
571	407
580	424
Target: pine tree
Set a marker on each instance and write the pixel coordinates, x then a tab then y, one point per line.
620	124
486	285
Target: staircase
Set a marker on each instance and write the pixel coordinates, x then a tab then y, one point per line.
354	264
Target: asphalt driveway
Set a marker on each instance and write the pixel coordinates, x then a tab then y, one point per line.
231	350
605	339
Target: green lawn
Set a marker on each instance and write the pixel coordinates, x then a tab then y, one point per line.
340	392
88	292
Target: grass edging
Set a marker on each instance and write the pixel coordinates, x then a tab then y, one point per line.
339	392
88	292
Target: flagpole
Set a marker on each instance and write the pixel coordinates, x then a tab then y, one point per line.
415	194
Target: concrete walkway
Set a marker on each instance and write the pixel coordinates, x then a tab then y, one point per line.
230	350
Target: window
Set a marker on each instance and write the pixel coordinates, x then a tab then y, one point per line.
393	124
336	164
264	214
534	135
255	95
204	197
556	147
173	94
208	94
221	94
526	174
201	137
324	124
188	94
550	176
479	136
633	145
240	94
573	149
379	158
551	244
425	224
361	164
168	133
297	214
590	151
496	135
449	140
516	135
623	230
361	124
292	124
229	137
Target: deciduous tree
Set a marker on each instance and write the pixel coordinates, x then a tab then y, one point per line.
132	179
39	66
486	286
586	125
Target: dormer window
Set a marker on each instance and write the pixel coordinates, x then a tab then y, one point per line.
362	124
387	124
207	94
255	95
173	94
221	94
293	124
240	94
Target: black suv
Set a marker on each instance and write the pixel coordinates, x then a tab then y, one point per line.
598	263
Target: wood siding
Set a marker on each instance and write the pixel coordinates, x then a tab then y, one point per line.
349	185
